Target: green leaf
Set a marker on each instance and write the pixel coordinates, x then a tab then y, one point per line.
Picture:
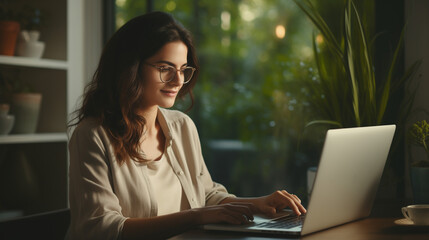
323	122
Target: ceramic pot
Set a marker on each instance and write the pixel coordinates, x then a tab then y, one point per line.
26	108
420	186
29	44
8	36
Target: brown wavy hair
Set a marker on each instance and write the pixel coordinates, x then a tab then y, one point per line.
113	97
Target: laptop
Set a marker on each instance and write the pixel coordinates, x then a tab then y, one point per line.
344	189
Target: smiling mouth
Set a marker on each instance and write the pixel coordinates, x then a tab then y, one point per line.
169	92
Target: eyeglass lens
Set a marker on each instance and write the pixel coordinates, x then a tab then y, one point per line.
168	74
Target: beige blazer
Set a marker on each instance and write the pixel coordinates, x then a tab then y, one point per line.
104	194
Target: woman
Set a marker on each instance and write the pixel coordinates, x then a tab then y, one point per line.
136	168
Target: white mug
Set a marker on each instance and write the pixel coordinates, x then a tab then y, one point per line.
418	214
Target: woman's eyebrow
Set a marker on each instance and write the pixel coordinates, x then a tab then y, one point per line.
170	63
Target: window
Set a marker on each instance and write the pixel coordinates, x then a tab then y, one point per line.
251	103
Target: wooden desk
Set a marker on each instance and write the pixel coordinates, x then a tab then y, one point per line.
372	228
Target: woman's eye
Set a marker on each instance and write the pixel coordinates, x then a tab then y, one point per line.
165	69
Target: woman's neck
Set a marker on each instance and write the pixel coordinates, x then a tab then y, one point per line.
150	116
153	137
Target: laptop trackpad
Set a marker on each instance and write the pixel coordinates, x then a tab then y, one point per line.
257	218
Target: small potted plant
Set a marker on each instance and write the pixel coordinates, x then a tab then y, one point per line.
419	135
28	40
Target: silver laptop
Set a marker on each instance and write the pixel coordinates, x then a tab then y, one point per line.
347	179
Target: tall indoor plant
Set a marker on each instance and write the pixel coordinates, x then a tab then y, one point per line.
348	93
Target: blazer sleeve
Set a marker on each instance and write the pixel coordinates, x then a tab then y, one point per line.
95	209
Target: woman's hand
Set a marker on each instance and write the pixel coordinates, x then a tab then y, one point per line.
233	213
277	201
273	203
165	226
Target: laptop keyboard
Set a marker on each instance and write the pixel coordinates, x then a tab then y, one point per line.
283	222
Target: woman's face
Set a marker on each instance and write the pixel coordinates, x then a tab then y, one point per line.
156	92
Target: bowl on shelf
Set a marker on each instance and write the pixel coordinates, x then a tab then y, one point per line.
6	120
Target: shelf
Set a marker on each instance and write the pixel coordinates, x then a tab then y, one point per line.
33	62
33	138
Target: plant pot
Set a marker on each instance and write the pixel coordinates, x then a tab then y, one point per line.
8	35
419	183
26	108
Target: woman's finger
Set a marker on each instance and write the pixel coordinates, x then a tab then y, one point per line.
241	210
234	213
247	204
294	203
233	219
296	198
293	196
299	205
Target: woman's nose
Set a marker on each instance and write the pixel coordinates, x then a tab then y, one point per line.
179	78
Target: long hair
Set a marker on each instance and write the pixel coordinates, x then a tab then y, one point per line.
113	97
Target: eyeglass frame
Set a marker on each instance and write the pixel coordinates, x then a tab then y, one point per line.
160	68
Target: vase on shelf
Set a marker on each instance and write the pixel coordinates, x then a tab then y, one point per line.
26	108
29	44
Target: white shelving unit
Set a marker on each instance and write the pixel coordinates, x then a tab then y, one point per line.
31	62
33	138
34	167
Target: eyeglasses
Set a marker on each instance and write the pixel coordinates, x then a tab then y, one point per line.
167	73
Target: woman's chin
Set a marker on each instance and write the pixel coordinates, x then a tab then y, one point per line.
167	104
